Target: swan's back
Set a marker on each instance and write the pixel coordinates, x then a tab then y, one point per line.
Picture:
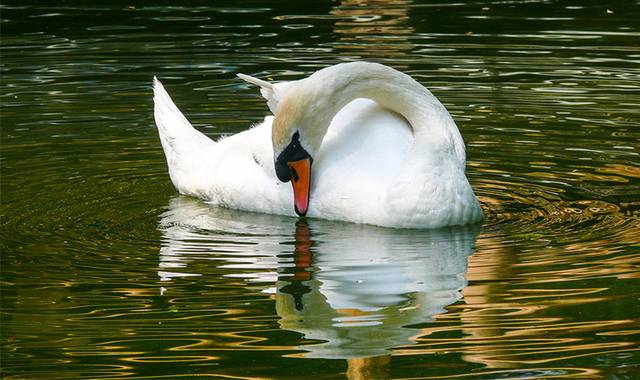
361	153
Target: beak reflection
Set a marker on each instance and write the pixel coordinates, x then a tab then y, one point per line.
301	182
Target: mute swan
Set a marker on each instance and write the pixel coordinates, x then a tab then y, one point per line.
383	150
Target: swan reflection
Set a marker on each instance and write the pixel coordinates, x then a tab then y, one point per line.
354	290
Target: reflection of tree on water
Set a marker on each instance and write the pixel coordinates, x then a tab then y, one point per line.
376	28
354	291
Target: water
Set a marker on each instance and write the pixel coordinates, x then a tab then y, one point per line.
108	273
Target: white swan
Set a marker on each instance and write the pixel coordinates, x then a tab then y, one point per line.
383	149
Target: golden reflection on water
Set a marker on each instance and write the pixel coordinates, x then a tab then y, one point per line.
376	367
378	26
500	320
549	112
620	169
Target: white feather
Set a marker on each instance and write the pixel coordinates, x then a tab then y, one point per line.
272	92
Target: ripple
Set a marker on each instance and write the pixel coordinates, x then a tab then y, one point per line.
182	18
298	26
108	28
107	273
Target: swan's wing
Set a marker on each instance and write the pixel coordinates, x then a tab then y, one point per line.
272	92
184	147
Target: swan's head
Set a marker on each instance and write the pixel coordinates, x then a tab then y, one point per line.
296	140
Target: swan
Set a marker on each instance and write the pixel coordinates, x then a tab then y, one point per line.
359	142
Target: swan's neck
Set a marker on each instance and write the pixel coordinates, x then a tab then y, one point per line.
329	90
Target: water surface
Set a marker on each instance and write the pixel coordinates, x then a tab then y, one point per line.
108	273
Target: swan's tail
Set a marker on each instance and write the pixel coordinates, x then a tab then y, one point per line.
185	148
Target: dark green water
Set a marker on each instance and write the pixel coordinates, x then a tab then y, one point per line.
107	273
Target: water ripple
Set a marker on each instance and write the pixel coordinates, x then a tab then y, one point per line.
106	273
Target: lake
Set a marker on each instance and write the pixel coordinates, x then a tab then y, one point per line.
106	272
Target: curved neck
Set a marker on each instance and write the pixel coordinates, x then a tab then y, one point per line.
336	86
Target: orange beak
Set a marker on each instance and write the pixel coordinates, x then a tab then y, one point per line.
301	181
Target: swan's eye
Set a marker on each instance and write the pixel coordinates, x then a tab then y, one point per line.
293	152
294	174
